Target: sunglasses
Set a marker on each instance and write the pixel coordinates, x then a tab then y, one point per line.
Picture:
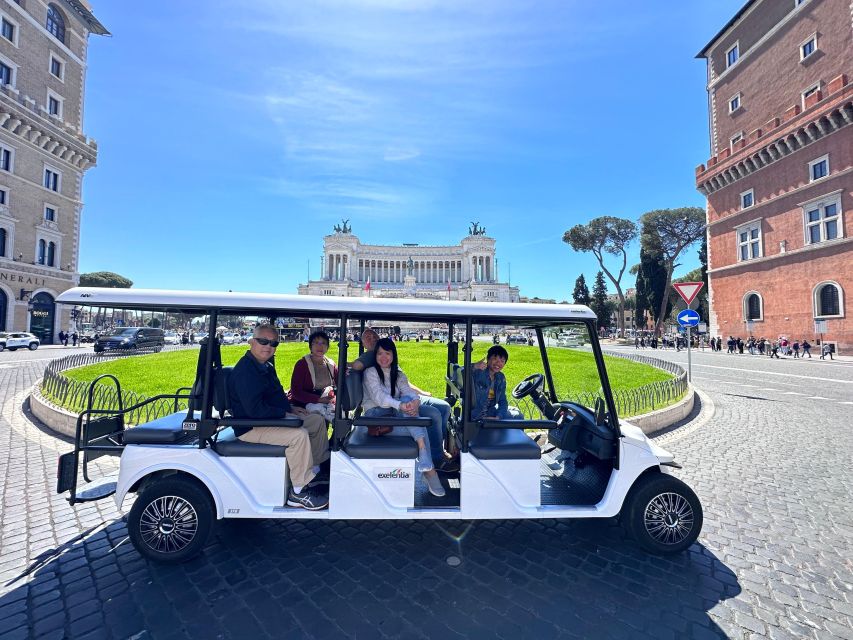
267	341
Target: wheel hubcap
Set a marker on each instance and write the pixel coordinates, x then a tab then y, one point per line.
668	518
168	524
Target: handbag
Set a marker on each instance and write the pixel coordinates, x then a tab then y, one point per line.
379	430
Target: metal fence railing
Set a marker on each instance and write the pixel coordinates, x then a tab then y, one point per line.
629	402
73	395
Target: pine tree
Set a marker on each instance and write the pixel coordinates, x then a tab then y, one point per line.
581	293
600	305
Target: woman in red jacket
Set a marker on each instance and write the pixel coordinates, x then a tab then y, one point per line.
312	384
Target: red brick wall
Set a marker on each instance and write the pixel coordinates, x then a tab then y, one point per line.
771	77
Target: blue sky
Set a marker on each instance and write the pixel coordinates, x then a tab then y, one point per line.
232	136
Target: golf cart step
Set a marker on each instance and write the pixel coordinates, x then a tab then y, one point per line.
96	490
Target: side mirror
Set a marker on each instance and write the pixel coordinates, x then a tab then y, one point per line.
600	413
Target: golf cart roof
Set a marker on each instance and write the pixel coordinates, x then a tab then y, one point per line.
317	306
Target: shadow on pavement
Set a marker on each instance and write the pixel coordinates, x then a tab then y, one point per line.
372	579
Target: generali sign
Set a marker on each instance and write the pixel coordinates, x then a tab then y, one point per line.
17	278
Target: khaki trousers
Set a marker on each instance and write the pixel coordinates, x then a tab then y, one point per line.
307	445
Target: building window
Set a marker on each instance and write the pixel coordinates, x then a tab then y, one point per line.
57	67
6	74
52	179
823	220
808	47
55	104
3	237
749	241
42	252
7	30
50	214
747	199
734	103
51	254
819	168
4	197
753	306
732	55
736	138
7	158
55	23
828	300
811	90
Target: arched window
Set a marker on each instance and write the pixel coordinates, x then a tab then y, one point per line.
55	23
828	300
3	236
753	306
51	254
42	253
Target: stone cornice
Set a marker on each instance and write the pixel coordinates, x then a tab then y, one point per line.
19	117
782	136
839	245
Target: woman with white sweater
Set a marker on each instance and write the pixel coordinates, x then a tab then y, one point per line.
387	393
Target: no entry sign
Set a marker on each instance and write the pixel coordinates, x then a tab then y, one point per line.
688	290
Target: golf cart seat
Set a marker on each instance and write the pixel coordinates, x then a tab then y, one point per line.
226	444
359	444
165	430
504	444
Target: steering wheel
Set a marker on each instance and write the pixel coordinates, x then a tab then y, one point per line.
528	386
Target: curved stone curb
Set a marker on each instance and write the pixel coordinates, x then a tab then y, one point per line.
658	419
58	419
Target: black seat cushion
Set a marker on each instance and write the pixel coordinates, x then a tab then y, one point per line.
352	392
504	444
239	449
221	400
165	430
367	447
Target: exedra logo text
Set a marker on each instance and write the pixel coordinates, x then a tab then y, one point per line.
392	474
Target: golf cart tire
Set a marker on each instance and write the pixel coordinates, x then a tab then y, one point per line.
663	514
171	520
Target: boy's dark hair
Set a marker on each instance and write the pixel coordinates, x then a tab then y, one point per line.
497	350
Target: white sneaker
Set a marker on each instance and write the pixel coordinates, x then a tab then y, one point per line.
434	485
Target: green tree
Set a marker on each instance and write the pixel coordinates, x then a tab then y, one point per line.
671	231
650	281
581	293
105	279
607	234
600	305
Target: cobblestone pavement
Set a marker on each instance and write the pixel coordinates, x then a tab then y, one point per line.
772	471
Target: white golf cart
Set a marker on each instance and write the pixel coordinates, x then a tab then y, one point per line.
188	469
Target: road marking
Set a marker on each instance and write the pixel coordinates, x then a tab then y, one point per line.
773	373
816	398
845	403
793	393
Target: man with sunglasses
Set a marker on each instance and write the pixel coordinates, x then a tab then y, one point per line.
256	393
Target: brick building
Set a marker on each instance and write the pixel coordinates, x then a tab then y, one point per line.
43	155
779	183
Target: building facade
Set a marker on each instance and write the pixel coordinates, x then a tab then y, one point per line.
779	184
467	271
43	156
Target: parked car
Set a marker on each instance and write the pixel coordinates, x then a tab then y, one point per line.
18	340
516	338
131	338
87	337
230	338
170	337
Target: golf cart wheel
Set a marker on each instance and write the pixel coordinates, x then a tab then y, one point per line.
664	515
171	520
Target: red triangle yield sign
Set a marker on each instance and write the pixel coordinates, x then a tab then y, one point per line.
688	290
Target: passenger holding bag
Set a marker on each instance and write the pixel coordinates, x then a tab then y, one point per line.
312	384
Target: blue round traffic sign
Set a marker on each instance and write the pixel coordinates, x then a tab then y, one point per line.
688	318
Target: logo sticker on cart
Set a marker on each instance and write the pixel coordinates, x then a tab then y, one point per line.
190	425
392	474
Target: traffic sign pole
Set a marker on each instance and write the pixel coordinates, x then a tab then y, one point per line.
689	363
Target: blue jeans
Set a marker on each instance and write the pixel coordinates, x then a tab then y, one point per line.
438	411
414	432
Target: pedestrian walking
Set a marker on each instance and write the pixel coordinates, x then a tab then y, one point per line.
807	349
740	346
774	351
74	338
826	350
796	348
65	337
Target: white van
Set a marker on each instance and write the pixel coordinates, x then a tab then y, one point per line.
188	470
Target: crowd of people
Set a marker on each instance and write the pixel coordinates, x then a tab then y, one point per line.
752	345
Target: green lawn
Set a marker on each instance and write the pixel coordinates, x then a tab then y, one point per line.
424	363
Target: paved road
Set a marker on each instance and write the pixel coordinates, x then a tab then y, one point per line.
771	467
